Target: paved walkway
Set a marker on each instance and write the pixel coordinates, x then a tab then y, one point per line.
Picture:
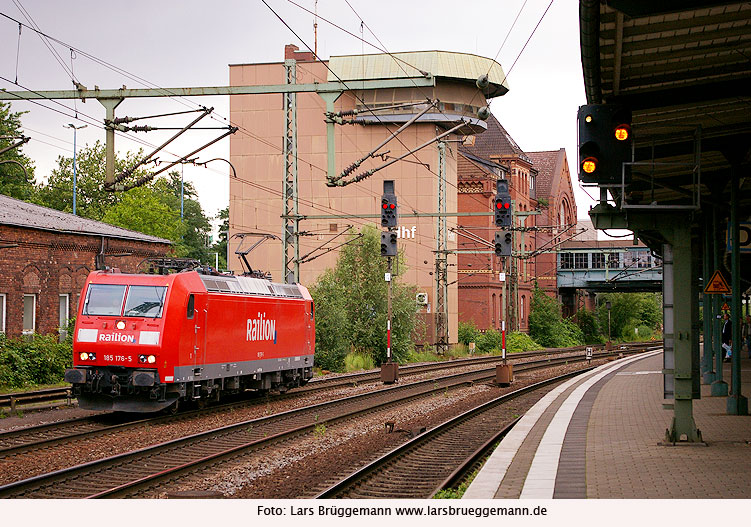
596	436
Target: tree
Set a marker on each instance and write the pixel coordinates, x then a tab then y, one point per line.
92	200
351	302
220	246
152	209
143	209
587	322
192	244
16	170
546	325
628	311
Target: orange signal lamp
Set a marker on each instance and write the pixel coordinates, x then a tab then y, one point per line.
588	119
622	132
589	165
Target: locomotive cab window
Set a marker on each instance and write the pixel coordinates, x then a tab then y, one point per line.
144	301
104	300
191	306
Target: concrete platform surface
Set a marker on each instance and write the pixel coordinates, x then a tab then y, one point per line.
599	436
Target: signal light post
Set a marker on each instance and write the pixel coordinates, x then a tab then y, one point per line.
604	143
389	369
503	214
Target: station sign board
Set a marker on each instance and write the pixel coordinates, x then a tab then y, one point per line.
745	237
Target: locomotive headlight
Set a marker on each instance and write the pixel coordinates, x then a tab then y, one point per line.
84	355
142	359
151	359
120	324
92	356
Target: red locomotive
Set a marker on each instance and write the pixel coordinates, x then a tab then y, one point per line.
144	342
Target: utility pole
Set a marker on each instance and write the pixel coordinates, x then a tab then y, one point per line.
441	259
75	175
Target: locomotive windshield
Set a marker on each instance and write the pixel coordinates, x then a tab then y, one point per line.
141	301
104	299
144	301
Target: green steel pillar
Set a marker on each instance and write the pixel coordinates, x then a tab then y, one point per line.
719	387
736	403
684	305
708	313
696	270
109	144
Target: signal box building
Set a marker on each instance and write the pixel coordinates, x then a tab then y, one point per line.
45	256
327	214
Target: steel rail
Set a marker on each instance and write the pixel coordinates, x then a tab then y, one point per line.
49	483
340	488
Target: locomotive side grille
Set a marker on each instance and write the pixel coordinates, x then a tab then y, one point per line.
250	286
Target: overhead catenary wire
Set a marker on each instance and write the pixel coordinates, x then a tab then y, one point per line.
45	41
260	139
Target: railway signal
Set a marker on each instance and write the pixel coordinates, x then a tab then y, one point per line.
388	205
388	243
604	142
503	243
502	204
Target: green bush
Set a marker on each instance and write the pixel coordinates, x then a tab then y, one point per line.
548	327
587	322
489	341
468	332
40	360
517	342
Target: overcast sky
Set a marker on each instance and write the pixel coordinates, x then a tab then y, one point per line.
192	42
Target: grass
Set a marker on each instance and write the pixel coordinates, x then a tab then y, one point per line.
457	493
358	362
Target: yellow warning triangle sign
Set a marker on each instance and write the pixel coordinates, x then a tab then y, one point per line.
717	285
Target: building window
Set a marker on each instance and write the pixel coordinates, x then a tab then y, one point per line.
598	260
567	260
614	260
645	260
29	314
522	309
580	261
64	315
2	314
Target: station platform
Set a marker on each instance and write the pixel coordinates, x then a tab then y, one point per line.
599	435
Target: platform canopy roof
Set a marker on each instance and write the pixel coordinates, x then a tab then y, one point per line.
681	66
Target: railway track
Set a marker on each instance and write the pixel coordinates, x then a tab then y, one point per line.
128	474
439	459
46	435
436	460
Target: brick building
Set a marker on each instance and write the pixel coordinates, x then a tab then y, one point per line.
555	196
45	256
541	189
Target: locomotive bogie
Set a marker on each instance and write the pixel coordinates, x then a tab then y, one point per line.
143	342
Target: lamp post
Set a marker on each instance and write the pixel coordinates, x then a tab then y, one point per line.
75	175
